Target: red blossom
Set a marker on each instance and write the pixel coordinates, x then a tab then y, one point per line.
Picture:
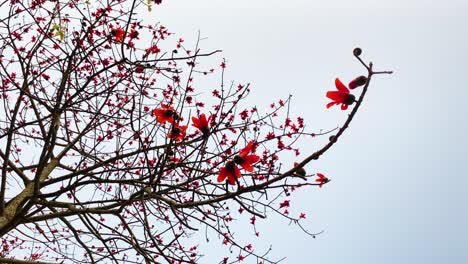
229	172
321	179
133	34
342	96
244	159
202	123
284	204
153	49
164	114
177	132
118	34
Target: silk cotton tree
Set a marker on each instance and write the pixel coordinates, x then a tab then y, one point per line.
112	153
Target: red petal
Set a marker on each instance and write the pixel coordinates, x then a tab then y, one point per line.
196	122
336	96
246	150
223	173
203	119
237	172
331	104
249	160
231	179
340	86
247	167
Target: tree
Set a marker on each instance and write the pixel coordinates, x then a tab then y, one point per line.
111	153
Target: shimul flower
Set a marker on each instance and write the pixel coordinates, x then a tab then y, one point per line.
244	159
133	34
165	114
321	179
342	96
229	172
202	123
285	203
358	81
177	132
118	34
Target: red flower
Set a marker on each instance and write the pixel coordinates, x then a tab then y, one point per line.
321	179
133	34
118	34
177	133
285	203
165	114
342	96
202	124
230	171
244	159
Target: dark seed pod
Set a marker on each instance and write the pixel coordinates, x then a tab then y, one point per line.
357	52
359	81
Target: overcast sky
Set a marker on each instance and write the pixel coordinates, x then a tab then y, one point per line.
399	173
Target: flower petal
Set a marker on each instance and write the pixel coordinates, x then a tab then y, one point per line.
246	150
196	122
340	86
237	172
336	96
331	104
247	167
248	161
223	173
231	179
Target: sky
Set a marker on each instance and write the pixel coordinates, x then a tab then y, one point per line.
398	191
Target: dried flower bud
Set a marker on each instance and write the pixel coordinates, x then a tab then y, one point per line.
357	52
359	81
300	171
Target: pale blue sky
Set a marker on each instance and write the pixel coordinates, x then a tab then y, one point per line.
398	193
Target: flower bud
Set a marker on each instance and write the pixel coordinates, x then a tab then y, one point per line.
357	52
359	81
300	171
